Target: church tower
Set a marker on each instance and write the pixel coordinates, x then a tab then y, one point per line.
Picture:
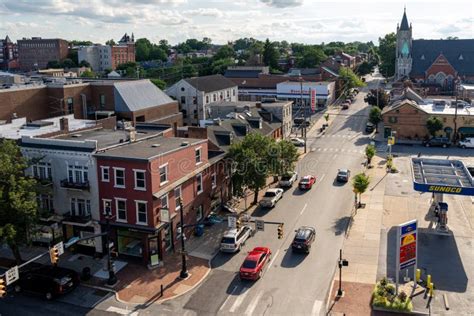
403	57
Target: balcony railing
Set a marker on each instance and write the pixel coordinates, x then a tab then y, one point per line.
75	185
77	218
44	181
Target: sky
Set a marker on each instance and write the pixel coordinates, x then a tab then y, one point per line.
303	21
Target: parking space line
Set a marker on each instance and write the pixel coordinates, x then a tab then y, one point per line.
228	297
239	300
273	260
316	307
304	207
253	304
321	179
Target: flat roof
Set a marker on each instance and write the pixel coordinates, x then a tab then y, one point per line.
431	108
150	148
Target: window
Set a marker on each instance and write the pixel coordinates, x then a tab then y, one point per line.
392	119
141	212
163	174
199	183
140	183
102	101
70	105
213	180
182	88
42	170
164	201
121	209
80	207
105	174
183	100
45	202
199	213
78	174
207	99
119	177
107	206
177	196
197	154
228	94
214	97
233	92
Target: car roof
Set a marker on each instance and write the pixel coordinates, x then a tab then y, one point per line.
307	177
275	190
254	255
304	231
343	170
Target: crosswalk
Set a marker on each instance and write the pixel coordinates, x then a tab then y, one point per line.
338	150
338	136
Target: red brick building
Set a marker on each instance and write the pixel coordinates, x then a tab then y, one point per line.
124	52
35	53
8	54
140	184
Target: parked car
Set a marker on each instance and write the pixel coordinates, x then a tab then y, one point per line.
298	142
343	175
303	240
437	142
369	127
307	182
254	263
233	239
47	281
467	143
271	197
287	180
345	106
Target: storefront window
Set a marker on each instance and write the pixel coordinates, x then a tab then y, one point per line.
129	243
153	250
168	238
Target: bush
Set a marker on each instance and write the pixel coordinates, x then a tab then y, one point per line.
384	296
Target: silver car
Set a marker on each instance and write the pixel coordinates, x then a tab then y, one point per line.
271	197
233	239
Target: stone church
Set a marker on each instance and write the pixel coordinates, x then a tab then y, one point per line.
433	63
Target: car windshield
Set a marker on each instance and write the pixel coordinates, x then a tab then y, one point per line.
62	281
286	178
342	173
269	194
300	240
249	264
228	240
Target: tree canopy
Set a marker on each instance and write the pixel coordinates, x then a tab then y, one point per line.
383	97
375	116
270	54
350	79
360	183
386	51
310	56
434	125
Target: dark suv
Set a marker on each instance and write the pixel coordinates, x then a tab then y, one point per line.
47	281
304	237
437	142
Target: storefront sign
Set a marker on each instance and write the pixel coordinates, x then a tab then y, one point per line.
313	99
164	215
407	244
443	189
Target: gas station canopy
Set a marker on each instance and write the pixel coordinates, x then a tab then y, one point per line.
441	176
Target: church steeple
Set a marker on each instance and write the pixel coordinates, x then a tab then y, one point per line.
404	26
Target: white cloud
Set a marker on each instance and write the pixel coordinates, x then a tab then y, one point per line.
205	12
283	3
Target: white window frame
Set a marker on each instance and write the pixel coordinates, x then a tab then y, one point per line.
199	213
102	173
214	180
199	175
104	201
77	173
198	153
166	173
120	186
165	196
75	202
176	197
135	172
137	202
117	213
46	167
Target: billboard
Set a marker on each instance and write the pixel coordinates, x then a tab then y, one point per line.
313	99
407	242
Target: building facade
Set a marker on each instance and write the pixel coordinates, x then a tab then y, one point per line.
124	52
98	56
35	53
8	54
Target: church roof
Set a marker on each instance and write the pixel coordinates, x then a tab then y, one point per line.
404	26
425	52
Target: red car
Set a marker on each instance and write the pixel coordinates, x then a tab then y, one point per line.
307	182
253	265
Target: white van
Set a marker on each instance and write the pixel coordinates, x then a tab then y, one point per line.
233	239
467	143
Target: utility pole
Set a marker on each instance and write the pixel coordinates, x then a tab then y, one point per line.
455	136
304	113
184	270
112	278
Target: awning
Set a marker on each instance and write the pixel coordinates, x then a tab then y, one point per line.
466	130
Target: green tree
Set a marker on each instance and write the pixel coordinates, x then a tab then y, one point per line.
80	43
375	117
311	57
270	54
164	45
350	79
224	52
18	208
142	49
156	53
369	153
68	63
110	42
434	125
159	83
364	68
383	98
88	74
53	64
219	66
281	157
84	63
360	183
386	51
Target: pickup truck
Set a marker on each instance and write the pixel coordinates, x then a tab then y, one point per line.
271	197
467	143
287	180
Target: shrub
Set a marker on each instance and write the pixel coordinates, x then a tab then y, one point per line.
402	296
383	282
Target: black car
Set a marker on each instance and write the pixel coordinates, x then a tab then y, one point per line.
304	237
369	127
47	281
343	175
437	142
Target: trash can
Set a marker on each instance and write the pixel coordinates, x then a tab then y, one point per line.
86	274
199	231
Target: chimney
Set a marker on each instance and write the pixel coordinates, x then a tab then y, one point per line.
64	124
132	133
258	105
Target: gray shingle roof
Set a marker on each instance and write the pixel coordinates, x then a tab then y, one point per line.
404	25
211	83
237	73
425	52
137	95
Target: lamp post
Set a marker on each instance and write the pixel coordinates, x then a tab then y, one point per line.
112	278
341	263
184	270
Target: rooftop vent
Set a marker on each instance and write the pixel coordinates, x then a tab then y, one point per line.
184	144
155	145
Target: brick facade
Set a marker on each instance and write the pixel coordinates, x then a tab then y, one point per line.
35	53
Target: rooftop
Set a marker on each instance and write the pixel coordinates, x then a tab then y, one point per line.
441	172
211	83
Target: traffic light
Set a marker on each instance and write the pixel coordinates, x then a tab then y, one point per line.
238	223
280	231
3	288
54	255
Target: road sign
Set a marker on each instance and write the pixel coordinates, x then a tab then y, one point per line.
12	275
60	247
232	221
259	225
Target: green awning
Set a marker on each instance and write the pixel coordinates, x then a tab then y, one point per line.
466	130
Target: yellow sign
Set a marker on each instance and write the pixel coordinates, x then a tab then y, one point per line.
391	140
444	189
408	239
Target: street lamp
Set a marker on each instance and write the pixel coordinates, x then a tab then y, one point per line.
341	263
112	278
184	270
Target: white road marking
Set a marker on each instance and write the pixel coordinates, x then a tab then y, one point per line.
304	207
239	300
253	304
118	310
273	260
316	307
228	297
320	180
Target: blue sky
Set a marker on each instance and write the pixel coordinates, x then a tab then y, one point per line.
302	21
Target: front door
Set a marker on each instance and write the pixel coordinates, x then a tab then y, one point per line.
153	250
387	131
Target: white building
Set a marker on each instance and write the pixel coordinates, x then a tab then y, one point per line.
194	95
323	92
98	56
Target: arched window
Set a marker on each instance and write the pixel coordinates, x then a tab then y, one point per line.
440	78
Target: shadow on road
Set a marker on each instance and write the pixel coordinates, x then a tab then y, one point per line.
261	211
292	259
222	258
340	226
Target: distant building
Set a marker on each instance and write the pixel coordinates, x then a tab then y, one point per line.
124	52
345	59
8	54
35	53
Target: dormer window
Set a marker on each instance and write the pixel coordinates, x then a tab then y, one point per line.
422	57
461	57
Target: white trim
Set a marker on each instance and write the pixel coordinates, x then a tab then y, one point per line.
180	195
115	178
202	185
135	171
103	206
159	174
167	200
117	219
102	168
198	149
146	212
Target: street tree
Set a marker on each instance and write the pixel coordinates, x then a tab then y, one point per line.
386	52
350	79
375	117
434	125
383	97
360	183
369	153
18	208
281	157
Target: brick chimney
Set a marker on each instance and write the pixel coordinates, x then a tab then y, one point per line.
64	124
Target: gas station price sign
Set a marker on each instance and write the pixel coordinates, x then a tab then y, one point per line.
407	244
